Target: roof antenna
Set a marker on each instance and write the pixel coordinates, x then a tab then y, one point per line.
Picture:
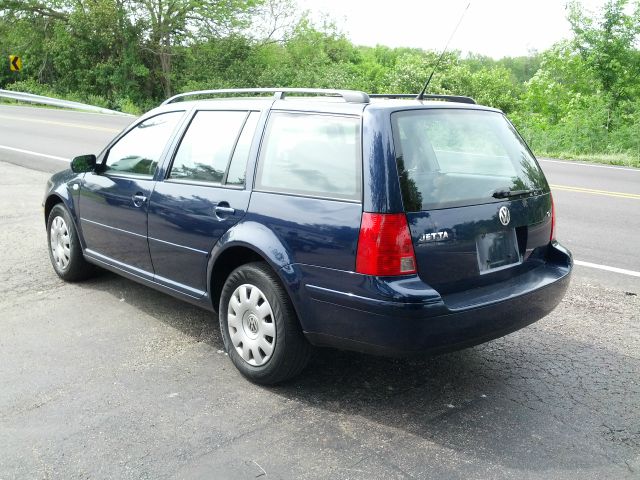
421	95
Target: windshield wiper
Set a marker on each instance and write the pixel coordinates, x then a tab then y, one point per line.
507	193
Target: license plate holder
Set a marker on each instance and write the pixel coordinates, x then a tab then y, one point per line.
497	250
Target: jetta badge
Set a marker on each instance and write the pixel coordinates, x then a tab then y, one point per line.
504	215
434	237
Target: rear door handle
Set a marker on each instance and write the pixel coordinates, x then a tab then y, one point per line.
139	199
225	210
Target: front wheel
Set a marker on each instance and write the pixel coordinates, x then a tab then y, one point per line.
65	251
260	327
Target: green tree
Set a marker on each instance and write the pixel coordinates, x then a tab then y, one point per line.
87	48
608	44
167	24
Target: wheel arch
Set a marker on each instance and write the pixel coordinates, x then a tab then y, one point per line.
56	198
51	201
244	243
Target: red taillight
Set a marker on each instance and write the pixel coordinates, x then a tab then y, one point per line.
553	220
384	246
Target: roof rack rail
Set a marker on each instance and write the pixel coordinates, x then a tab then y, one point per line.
447	98
350	96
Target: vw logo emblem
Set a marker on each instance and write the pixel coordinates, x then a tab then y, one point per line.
504	215
253	323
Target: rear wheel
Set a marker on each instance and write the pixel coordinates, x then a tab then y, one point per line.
65	251
260	327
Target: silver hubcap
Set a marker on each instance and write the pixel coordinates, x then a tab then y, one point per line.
251	326
60	243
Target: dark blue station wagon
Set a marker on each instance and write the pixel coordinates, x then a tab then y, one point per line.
327	218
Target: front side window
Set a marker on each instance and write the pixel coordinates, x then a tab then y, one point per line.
139	151
205	149
455	157
311	155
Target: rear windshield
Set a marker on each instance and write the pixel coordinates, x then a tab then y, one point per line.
449	158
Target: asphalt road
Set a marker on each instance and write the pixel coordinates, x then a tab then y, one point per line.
61	135
109	379
598	212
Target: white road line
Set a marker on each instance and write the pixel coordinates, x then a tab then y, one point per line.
570	162
29	152
607	268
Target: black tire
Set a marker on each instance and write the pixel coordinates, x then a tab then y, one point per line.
291	352
74	267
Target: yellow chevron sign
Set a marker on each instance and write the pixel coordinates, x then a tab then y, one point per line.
15	63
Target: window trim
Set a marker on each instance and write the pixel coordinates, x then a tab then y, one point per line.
317	197
202	183
257	187
124	133
206	183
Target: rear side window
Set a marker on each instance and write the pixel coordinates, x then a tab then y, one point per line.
448	158
312	155
238	168
205	149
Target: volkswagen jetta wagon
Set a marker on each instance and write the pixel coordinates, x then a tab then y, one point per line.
320	218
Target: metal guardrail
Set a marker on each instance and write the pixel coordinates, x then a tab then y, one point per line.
56	102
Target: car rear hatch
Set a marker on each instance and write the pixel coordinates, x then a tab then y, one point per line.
477	203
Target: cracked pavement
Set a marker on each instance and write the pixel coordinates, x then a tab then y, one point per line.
110	379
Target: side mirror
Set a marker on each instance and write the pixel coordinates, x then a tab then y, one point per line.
83	163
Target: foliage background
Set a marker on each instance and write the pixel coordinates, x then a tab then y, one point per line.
579	99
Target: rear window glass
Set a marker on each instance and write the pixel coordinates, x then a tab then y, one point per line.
311	154
449	158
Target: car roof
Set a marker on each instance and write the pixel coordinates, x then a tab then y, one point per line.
308	104
319	104
218	103
412	104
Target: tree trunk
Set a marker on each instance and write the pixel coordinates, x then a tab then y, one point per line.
165	67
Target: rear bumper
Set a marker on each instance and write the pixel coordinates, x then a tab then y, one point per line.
413	320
